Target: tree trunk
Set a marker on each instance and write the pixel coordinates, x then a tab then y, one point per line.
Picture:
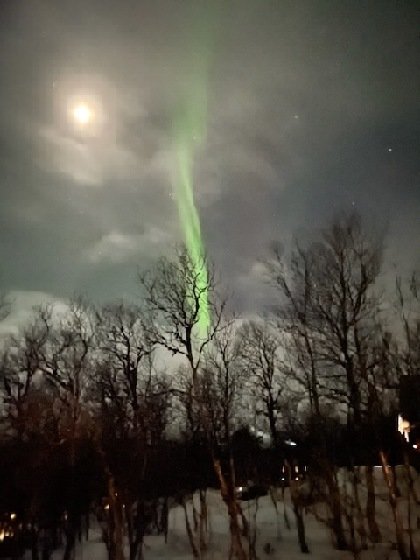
399	531
137	537
228	495
301	529
116	532
272	423
87	524
374	533
252	550
315	394
358	508
411	494
165	519
34	544
334	502
274	500
283	486
70	540
297	509
354	398
203	520
190	534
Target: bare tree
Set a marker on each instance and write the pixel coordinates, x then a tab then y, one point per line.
219	394
295	317
261	355
50	357
20	363
331	307
126	352
64	363
4	306
408	306
134	399
329	310
180	299
178	292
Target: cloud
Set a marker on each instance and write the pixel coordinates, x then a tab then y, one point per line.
116	247
23	304
71	207
87	163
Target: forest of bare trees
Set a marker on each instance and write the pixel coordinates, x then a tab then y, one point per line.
119	411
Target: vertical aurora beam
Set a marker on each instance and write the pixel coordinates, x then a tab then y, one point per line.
189	132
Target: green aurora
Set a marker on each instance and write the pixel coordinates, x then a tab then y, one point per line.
189	132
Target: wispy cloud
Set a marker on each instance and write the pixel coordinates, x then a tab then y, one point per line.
116	247
302	105
23	304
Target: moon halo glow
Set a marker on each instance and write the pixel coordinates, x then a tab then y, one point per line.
82	114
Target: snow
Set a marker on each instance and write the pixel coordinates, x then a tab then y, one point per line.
271	530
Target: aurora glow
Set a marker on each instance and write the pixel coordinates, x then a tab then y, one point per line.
189	129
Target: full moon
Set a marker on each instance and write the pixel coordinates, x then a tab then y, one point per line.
82	108
82	114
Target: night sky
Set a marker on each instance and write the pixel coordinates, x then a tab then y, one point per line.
312	107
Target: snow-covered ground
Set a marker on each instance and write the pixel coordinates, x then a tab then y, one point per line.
283	542
274	539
